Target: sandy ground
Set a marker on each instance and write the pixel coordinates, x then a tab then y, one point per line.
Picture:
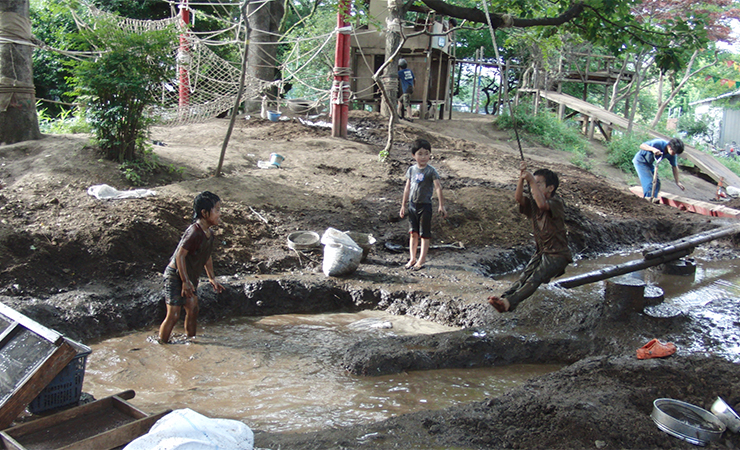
91	268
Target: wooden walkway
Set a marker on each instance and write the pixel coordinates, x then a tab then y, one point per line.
599	117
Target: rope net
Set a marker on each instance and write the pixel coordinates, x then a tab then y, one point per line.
209	83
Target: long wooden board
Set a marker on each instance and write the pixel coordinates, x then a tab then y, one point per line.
704	161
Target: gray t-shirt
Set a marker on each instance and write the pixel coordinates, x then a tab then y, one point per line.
422	183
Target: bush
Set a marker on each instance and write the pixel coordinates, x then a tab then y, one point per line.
623	148
545	129
121	83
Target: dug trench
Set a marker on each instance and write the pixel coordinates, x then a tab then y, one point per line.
91	269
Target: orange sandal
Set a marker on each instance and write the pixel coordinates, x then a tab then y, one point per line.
656	349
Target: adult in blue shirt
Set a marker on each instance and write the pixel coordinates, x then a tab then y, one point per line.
406	80
647	159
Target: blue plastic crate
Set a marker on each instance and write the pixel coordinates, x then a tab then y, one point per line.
66	388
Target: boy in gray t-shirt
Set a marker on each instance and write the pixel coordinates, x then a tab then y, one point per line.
421	182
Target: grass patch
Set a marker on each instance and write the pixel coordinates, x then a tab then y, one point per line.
545	129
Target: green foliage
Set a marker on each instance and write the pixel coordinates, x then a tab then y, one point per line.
120	84
146	164
693	127
622	148
52	24
547	130
67	121
731	163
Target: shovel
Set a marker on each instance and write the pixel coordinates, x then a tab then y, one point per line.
655	178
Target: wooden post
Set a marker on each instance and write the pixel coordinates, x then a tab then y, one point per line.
624	297
451	86
425	93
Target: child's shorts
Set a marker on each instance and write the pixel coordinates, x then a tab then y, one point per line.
173	288
420	219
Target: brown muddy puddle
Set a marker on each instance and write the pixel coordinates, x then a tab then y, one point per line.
282	373
708	297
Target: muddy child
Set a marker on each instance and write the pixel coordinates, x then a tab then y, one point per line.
191	256
547	212
421	182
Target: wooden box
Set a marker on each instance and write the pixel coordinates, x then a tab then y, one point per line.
104	424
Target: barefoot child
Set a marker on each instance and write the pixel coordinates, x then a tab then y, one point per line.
547	211
193	253
421	182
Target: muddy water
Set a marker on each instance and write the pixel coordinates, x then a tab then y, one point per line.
708	298
280	373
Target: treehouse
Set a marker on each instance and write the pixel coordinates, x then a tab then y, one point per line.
428	56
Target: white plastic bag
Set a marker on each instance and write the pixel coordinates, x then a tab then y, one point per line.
105	192
341	254
185	429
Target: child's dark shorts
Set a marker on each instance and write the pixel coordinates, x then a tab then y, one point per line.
420	219
173	288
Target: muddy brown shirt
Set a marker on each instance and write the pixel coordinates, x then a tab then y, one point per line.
199	248
549	226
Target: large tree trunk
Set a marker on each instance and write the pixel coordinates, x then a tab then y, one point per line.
18	120
264	19
392	41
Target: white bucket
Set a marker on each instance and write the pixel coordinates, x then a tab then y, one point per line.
276	159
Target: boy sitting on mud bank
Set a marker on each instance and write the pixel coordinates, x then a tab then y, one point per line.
421	182
192	254
547	212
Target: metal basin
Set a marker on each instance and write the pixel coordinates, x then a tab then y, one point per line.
726	414
686	421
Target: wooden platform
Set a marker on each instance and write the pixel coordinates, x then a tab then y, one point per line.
688	204
599	117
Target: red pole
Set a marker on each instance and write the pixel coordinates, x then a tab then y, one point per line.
340	88
183	57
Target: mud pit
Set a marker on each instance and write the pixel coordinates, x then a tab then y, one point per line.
89	269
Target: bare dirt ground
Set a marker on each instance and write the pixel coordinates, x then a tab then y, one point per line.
90	268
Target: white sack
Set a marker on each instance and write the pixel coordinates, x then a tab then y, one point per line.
185	429
342	255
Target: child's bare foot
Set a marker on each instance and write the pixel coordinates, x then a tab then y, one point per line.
417	266
410	264
501	304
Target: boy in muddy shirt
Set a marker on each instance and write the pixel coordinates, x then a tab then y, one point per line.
547	212
192	254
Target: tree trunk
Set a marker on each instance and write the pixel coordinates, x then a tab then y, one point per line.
18	120
392	41
264	19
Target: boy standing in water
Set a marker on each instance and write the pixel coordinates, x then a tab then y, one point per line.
547	212
421	182
192	254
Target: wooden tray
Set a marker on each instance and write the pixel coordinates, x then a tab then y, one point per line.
104	424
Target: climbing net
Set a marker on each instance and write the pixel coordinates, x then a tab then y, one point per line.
201	84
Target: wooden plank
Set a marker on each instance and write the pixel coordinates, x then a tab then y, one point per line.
30	388
9	443
8	333
70	414
704	161
118	436
46	333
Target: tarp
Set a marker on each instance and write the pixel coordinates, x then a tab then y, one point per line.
185	429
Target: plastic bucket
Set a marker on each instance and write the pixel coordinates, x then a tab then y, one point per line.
276	159
273	116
